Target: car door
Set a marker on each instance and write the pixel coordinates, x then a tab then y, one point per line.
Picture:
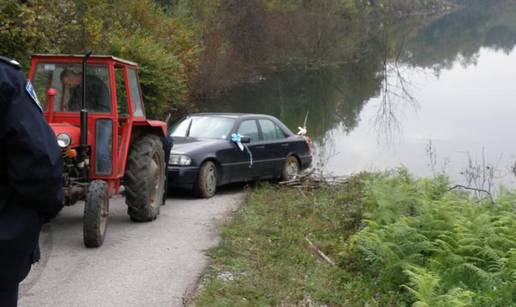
241	168
276	147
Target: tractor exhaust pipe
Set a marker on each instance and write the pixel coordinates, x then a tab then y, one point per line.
83	146
84	111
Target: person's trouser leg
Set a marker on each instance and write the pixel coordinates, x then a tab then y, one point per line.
167	146
9	296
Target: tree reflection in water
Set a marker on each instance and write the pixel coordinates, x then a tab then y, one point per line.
376	67
395	96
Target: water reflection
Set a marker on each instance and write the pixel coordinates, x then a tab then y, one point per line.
460	35
331	96
444	79
467	113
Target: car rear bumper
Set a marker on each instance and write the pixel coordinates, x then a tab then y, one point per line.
182	176
306	161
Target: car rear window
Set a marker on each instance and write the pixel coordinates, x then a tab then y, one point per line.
203	127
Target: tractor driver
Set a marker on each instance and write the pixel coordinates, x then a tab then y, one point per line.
97	100
97	93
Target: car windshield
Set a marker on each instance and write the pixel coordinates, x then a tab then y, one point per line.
204	127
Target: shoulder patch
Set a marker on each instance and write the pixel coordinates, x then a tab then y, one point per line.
30	90
10	61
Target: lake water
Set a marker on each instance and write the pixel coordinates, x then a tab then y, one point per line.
466	113
443	99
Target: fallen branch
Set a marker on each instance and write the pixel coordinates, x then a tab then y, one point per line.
319	252
457	186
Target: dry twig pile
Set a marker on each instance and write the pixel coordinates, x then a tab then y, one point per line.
313	178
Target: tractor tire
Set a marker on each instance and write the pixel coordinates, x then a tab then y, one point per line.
145	179
96	211
290	169
206	185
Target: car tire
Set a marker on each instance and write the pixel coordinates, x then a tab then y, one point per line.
96	211
145	179
206	185
290	168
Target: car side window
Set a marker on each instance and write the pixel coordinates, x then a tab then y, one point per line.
270	131
250	129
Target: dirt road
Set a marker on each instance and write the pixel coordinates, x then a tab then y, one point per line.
140	264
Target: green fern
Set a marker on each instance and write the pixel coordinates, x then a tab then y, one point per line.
451	249
426	290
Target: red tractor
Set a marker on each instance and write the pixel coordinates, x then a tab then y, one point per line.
94	105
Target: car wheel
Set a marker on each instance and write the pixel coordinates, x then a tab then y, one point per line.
206	185
290	169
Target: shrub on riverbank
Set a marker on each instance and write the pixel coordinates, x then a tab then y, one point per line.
394	240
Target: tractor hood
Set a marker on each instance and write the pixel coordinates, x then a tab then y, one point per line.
72	131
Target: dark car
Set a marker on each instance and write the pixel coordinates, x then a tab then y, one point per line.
213	149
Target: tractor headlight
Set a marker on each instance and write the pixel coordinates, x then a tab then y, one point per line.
63	140
182	160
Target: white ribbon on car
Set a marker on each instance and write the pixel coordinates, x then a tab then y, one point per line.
237	138
302	131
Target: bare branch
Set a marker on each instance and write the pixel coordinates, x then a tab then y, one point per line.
459	186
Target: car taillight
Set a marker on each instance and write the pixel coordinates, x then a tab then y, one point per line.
310	144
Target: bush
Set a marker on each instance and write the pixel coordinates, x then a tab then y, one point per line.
166	44
445	249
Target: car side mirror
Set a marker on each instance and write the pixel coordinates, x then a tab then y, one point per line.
245	139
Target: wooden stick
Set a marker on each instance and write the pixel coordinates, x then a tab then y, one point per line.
302	193
320	253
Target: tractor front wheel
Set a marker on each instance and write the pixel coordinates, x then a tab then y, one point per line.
96	211
145	179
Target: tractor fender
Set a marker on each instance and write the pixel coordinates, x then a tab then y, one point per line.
156	127
158	124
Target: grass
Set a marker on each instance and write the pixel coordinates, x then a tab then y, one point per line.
395	241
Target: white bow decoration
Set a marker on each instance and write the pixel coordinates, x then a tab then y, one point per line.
237	138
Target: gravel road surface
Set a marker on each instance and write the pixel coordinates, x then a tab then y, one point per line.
140	264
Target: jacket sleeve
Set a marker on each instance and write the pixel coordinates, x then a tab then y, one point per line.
33	160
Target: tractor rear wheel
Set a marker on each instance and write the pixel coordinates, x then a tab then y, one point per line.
96	211
145	179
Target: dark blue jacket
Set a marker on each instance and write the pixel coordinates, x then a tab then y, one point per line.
31	169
